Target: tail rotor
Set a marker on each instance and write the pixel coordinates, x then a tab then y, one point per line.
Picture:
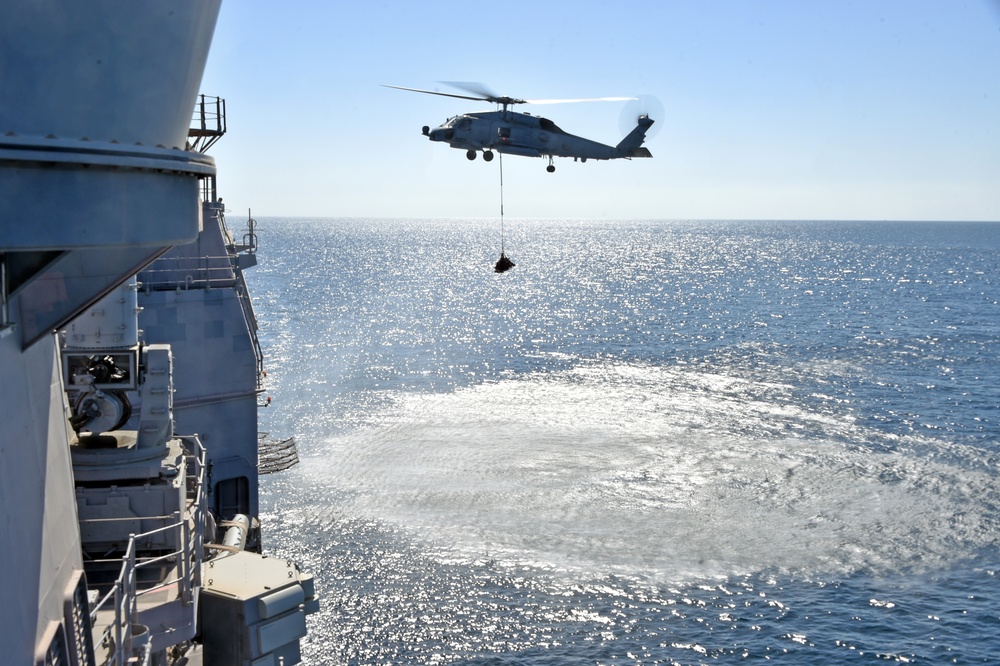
644	105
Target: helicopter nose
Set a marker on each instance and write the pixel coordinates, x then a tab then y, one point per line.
438	134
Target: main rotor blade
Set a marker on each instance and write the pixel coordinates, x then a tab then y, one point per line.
474	88
583	99
434	92
487	94
480	89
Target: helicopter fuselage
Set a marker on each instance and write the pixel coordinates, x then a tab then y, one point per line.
523	134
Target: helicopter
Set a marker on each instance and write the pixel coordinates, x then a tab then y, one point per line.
510	133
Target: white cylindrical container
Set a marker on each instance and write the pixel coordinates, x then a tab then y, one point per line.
112	323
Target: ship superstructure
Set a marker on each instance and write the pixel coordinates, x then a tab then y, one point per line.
128	443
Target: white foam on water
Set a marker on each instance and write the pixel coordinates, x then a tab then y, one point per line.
657	471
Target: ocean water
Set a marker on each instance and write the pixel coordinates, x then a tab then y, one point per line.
670	442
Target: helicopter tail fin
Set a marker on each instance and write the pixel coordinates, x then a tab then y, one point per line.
631	145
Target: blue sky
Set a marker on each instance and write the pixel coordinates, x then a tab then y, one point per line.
771	109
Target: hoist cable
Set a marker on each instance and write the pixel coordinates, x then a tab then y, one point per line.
500	157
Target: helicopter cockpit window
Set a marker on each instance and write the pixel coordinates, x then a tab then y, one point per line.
548	125
465	124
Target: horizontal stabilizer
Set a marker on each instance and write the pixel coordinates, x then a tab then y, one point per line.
640	152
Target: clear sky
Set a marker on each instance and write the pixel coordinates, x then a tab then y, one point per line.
771	109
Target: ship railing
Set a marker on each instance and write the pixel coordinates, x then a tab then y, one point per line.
249	246
187	273
208	188
227	236
251	318
208	123
125	593
184	273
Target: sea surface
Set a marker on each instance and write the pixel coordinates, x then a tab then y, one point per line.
651	442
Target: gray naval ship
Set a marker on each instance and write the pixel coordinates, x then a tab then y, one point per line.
131	371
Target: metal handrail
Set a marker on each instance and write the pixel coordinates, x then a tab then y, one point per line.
251	318
219	257
199	272
208	125
124	592
233	277
127	519
203	272
189	283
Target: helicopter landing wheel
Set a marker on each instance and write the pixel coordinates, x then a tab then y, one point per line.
471	155
488	155
550	168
